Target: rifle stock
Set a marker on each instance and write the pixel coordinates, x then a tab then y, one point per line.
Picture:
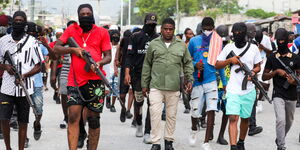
90	61
18	76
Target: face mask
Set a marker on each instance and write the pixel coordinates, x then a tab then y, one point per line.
115	39
149	28
207	33
239	39
86	23
18	30
282	47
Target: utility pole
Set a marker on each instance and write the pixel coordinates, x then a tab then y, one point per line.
177	15
32	10
122	3
129	12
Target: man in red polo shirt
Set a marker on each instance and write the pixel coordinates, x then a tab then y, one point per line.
96	41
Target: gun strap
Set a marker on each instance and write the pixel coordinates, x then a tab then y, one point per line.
21	45
281	62
245	51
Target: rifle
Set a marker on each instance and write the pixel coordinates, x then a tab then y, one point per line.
90	61
290	72
248	73
185	96
18	76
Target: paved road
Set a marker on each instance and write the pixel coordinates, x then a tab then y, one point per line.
116	135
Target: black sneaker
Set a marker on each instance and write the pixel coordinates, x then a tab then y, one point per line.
123	115
14	125
128	114
112	108
255	130
37	131
155	147
186	111
240	146
81	139
108	103
222	141
133	123
169	145
26	145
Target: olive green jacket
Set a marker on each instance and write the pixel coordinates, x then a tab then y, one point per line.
162	66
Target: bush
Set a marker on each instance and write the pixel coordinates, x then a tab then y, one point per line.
259	13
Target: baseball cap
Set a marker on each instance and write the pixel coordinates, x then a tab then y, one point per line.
151	19
3	20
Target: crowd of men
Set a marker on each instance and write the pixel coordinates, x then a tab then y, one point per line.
91	66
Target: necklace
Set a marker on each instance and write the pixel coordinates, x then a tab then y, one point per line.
84	41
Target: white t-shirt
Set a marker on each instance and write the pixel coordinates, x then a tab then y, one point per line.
266	42
167	44
250	58
109	68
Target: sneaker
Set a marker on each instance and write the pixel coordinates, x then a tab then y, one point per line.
81	139
128	114
169	145
147	139
255	130
123	115
206	146
240	145
37	130
63	125
139	131
193	137
108	103
186	111
113	109
222	141
26	145
14	125
298	104
133	123
155	147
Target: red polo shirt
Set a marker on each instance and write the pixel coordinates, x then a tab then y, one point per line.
97	41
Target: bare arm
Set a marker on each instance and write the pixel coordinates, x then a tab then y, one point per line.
33	71
106	58
60	49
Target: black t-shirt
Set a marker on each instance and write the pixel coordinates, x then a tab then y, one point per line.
123	45
279	91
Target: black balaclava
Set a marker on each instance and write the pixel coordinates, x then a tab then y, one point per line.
259	36
149	28
18	27
32	29
114	35
239	39
86	22
282	34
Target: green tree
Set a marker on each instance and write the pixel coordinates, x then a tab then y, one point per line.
230	6
167	8
259	13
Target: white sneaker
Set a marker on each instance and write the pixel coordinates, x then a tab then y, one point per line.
206	146
193	137
139	131
147	139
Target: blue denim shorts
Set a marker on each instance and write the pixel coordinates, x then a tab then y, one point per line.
37	98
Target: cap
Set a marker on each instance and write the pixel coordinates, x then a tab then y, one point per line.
3	20
151	19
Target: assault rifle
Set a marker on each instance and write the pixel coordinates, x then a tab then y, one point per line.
248	73
18	76
185	96
288	71
90	61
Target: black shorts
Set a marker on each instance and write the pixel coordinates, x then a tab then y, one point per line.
136	80
123	87
75	99
7	104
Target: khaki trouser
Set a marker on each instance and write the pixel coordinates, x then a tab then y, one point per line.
170	98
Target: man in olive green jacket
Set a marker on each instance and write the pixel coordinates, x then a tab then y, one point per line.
166	58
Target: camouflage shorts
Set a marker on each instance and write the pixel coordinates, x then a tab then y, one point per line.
95	105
